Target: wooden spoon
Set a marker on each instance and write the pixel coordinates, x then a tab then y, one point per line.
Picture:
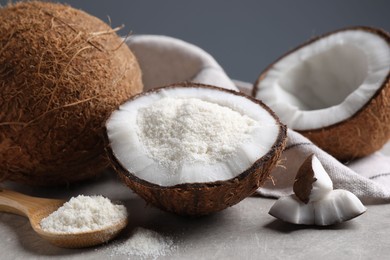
35	209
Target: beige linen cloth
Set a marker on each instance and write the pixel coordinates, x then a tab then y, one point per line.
165	60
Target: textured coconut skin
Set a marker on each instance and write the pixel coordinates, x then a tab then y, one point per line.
364	132
304	177
62	72
196	199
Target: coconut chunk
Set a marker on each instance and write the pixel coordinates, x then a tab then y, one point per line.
204	146
312	182
336	207
291	209
334	90
315	202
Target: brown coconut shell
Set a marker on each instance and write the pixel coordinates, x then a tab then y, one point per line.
196	199
364	132
304	179
62	72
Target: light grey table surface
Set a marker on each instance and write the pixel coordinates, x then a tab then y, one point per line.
244	231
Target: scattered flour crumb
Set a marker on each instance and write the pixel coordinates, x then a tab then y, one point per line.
82	214
145	243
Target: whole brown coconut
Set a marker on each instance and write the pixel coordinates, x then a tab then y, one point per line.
62	72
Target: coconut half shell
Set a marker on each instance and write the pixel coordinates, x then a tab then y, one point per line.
62	72
334	90
198	197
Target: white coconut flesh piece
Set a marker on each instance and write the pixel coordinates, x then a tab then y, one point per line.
327	80
178	135
314	201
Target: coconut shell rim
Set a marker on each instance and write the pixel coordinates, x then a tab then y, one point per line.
386	82
278	144
378	31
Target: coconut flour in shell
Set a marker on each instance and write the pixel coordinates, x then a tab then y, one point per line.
83	214
178	130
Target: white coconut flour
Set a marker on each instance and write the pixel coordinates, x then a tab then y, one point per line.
177	130
145	243
84	213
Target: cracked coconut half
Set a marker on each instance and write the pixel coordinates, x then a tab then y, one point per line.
334	90
194	149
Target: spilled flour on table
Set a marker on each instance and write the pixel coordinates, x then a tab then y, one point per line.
146	244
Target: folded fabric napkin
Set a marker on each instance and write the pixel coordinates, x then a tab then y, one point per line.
368	178
165	60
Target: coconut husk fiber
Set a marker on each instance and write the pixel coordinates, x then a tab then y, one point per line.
62	72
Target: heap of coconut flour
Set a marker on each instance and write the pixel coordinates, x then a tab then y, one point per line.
177	131
90	213
83	214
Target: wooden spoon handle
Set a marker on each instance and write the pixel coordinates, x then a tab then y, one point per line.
20	204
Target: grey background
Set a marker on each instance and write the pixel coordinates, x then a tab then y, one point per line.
243	36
